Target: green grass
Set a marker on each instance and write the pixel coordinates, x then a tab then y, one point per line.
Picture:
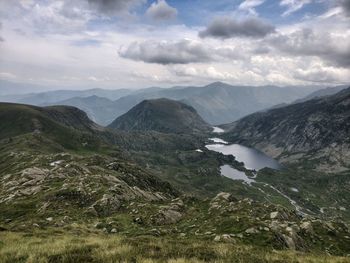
44	247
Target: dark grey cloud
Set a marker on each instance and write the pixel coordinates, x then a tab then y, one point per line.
306	42
346	7
111	7
181	52
226	27
160	10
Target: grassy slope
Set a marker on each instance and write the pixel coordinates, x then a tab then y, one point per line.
43	247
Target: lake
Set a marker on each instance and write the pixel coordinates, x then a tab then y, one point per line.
229	172
252	158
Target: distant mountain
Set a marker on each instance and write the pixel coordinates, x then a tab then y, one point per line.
218	102
322	93
54	97
162	115
316	130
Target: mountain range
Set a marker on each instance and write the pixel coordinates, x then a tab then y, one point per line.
216	103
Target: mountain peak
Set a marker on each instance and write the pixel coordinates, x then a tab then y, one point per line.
162	115
218	84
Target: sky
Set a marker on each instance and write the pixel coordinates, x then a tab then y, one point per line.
142	43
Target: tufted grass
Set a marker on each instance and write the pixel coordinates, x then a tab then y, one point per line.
52	248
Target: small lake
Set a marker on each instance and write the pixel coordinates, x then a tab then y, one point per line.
229	172
218	130
252	158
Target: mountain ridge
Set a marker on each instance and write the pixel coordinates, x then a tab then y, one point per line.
318	127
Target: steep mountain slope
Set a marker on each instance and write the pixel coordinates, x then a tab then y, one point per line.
317	129
161	115
62	122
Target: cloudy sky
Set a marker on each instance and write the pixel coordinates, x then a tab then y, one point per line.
141	43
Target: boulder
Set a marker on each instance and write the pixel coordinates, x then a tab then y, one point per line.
166	217
306	227
107	205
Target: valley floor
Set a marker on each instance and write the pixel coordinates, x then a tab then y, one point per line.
74	247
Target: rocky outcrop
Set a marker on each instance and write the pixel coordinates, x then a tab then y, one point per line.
170	214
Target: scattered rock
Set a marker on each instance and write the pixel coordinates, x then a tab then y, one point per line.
306	227
252	230
217	238
274	215
99	225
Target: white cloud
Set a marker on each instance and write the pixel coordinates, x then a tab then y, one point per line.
293	5
250	5
319	73
7	76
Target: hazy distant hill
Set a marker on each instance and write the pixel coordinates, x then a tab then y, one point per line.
54	97
12	88
162	115
216	103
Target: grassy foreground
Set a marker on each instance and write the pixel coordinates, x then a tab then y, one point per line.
24	247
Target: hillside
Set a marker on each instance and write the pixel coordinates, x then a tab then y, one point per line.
99	109
161	115
317	129
65	125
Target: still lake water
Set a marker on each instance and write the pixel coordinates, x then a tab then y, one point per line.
252	159
229	172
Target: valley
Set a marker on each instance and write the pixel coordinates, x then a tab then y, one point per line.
169	131
160	173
